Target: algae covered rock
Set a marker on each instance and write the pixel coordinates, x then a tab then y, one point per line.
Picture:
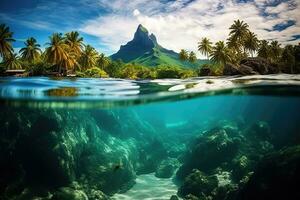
198	184
166	168
56	147
150	156
67	193
174	197
277	176
192	197
209	152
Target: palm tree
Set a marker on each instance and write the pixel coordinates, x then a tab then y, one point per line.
88	57
192	57
220	53
275	50
204	46
75	42
264	49
288	58
102	61
57	53
12	62
183	55
251	42
238	32
6	49
32	51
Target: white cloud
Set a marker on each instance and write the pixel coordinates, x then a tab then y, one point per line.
180	25
136	12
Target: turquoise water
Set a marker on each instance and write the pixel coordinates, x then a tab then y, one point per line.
119	139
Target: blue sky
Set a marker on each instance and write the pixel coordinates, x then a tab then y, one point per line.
106	24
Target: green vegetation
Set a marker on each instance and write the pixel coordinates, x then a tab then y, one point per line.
242	43
67	54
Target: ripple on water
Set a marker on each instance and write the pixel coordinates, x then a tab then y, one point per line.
96	92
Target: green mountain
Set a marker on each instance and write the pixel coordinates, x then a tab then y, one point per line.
145	50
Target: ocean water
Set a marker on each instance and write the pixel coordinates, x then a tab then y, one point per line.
202	138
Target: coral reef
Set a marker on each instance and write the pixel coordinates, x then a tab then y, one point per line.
275	177
221	160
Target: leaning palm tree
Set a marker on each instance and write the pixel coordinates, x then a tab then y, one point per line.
57	52
6	49
75	42
264	49
251	43
205	47
220	53
275	51
31	52
88	57
12	62
238	32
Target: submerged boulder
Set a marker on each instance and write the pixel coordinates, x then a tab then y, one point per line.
67	193
57	147
211	150
166	168
199	184
277	176
150	156
174	197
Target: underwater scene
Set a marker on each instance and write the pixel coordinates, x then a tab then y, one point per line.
111	139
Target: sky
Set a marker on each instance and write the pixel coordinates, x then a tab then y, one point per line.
177	24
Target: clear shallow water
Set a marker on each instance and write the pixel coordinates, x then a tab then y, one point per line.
102	138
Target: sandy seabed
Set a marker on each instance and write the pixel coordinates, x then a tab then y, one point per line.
149	187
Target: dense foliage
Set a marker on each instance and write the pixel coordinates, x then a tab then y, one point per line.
242	43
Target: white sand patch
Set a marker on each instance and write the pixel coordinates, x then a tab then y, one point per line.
149	187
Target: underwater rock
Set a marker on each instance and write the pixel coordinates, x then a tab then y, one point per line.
97	195
174	197
277	176
192	197
260	131
67	193
241	165
209	152
166	168
199	184
150	156
56	147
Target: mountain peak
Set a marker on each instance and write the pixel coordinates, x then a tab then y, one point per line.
141	28
141	33
144	49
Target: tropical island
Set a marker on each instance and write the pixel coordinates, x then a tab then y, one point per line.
243	53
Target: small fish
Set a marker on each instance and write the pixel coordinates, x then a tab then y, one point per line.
118	166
